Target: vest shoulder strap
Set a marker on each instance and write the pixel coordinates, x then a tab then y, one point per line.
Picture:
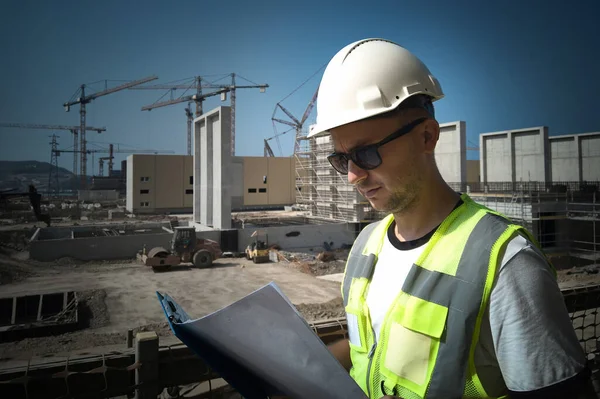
359	265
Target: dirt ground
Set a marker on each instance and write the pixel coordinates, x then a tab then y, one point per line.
119	295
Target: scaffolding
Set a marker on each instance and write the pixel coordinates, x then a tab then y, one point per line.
324	192
565	221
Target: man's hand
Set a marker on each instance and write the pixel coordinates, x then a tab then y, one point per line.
341	351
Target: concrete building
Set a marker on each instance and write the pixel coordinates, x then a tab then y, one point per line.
257	183
515	155
211	183
159	183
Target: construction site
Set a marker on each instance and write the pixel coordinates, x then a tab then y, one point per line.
82	255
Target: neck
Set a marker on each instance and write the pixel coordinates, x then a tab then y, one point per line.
433	204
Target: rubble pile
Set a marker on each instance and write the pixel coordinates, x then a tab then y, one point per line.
320	264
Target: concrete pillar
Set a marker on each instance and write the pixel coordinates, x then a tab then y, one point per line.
579	158
213	169
206	176
146	353
198	126
482	161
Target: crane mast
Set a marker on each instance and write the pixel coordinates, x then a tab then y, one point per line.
83	100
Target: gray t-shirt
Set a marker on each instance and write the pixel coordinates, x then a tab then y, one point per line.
527	339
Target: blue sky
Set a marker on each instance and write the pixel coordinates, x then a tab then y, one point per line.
505	65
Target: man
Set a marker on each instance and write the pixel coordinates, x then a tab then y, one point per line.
444	298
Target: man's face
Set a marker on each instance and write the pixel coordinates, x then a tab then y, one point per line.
395	184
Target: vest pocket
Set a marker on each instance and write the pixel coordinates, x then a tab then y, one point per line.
411	343
357	323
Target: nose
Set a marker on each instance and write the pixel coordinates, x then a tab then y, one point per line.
356	174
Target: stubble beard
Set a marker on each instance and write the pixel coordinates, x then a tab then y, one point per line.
404	197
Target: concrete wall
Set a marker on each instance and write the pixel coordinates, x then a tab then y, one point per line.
122	247
564	158
311	236
213	168
237	186
515	155
159	183
575	157
279	187
451	152
590	156
97	195
96	248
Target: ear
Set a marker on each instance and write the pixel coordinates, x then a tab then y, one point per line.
430	135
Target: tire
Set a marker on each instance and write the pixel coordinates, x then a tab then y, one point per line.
202	259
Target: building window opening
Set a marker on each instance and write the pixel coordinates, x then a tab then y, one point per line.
189	191
144	191
251	190
262	190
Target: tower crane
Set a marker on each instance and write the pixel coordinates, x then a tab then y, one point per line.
73	129
296	124
199	97
268	150
84	99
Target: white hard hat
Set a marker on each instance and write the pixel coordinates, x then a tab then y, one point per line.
367	78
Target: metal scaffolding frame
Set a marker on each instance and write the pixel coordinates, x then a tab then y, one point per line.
323	191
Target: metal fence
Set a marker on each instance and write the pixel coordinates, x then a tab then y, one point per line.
149	369
527	186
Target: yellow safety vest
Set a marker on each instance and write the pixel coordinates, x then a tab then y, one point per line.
428	336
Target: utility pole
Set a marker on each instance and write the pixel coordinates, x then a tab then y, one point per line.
72	129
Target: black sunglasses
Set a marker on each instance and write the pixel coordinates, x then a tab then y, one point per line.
367	157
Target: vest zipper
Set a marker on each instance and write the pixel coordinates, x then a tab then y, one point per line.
370	357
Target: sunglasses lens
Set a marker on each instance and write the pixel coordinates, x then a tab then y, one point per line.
339	163
367	158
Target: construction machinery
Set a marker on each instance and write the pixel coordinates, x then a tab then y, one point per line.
185	248
258	250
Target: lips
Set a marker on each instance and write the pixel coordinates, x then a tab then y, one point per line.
370	193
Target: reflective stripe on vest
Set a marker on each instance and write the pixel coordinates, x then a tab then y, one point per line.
462	295
459	297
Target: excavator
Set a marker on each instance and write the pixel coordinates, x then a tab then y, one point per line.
35	199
